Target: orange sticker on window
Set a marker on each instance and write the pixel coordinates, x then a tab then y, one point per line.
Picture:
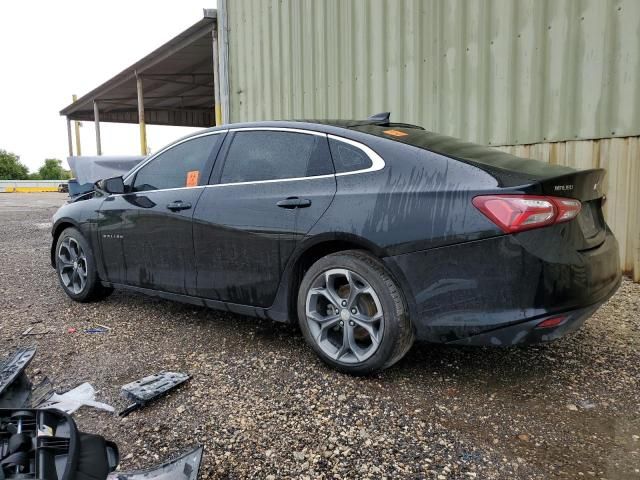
395	133
192	178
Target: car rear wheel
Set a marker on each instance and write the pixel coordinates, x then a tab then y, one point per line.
352	313
76	268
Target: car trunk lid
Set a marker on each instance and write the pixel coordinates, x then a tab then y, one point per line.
585	186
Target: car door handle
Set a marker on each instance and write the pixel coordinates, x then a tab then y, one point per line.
178	205
294	202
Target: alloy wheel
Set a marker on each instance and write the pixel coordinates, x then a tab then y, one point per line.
72	265
344	315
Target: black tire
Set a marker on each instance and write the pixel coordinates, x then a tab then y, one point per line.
397	334
92	289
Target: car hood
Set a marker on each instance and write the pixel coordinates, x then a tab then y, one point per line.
91	169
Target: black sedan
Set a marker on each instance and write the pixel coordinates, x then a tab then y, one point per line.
369	234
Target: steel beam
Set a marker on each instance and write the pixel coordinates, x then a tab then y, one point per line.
143	127
77	129
96	120
69	137
201	117
156	97
160	75
162	79
216	80
223	39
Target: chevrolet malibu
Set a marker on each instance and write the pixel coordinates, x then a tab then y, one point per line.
367	233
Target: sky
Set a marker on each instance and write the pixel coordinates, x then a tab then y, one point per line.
50	50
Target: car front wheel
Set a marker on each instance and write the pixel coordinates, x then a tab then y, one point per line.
352	313
76	268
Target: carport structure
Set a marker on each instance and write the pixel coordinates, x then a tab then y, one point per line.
177	84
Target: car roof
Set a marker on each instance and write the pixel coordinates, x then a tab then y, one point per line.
302	123
354	129
345	128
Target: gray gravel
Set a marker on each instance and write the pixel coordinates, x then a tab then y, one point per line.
265	407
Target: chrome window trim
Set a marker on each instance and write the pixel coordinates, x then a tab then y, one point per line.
159	190
377	162
278	129
258	182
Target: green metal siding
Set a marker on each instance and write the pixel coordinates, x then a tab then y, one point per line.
497	72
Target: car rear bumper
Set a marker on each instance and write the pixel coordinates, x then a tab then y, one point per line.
496	291
529	331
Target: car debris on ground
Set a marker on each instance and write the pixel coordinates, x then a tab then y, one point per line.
83	395
15	386
148	389
184	467
98	329
46	444
43	442
37	330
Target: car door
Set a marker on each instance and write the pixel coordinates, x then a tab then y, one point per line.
245	222
146	234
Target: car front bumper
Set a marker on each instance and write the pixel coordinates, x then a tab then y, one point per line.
496	291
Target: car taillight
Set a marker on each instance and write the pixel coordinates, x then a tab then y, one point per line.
515	213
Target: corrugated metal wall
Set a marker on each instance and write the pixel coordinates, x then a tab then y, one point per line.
621	158
497	72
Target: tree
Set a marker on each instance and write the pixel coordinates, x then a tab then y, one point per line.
11	168
52	170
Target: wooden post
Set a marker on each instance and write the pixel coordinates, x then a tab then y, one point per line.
143	128
77	129
216	81
69	137
96	120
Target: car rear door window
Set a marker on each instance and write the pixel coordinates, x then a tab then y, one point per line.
180	166
272	155
348	158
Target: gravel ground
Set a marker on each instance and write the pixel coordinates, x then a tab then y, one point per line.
265	407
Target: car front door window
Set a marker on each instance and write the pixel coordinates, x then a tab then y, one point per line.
180	166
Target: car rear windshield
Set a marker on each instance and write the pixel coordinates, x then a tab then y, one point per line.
474	153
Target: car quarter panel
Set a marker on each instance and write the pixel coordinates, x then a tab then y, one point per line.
418	200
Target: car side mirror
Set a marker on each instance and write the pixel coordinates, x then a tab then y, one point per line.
112	185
